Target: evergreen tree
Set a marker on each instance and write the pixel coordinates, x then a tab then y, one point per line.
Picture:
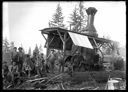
22	49
6	54
57	20
29	51
40	48
36	50
12	46
74	18
6	46
78	18
82	16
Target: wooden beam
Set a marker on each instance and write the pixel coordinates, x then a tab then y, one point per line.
44	37
70	26
100	45
46	42
75	50
95	43
64	48
64	42
110	45
47	46
67	38
99	39
60	36
51	40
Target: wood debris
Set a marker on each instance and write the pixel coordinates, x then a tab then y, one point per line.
58	82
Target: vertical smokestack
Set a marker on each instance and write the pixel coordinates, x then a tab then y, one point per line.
90	29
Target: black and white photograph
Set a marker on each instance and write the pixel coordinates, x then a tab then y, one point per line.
64	45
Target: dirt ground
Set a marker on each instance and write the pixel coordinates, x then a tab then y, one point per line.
61	81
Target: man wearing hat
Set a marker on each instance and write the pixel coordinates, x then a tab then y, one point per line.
20	59
14	55
51	60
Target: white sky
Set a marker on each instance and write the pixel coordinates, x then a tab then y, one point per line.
22	20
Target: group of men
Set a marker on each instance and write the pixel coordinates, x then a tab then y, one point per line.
17	58
22	65
14	68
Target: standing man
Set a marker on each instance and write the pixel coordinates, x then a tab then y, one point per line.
14	55
20	59
42	61
29	65
51	60
61	62
37	65
14	59
15	72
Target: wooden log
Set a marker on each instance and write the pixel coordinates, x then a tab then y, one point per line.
53	78
36	79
